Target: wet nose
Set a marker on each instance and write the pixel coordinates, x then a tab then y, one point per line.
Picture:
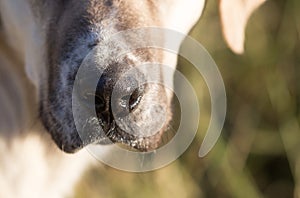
124	100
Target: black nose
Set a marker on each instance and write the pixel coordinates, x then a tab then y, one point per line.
127	96
114	97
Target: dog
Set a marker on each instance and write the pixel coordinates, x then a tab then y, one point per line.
43	43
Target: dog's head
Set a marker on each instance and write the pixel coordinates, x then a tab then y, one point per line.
79	26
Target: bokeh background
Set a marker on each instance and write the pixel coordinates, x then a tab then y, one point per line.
258	153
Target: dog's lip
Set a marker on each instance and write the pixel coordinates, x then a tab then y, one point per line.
116	135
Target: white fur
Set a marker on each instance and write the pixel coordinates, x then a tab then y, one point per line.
30	163
27	172
26	35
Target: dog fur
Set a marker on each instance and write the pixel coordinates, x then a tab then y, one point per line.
31	165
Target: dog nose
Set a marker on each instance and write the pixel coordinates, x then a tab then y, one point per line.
114	98
120	98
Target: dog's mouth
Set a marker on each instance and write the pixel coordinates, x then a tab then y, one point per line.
141	143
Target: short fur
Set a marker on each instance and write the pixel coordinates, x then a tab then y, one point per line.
42	43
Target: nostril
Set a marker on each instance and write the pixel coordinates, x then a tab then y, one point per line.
131	101
92	100
135	99
99	103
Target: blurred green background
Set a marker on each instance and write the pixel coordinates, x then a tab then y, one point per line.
258	153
